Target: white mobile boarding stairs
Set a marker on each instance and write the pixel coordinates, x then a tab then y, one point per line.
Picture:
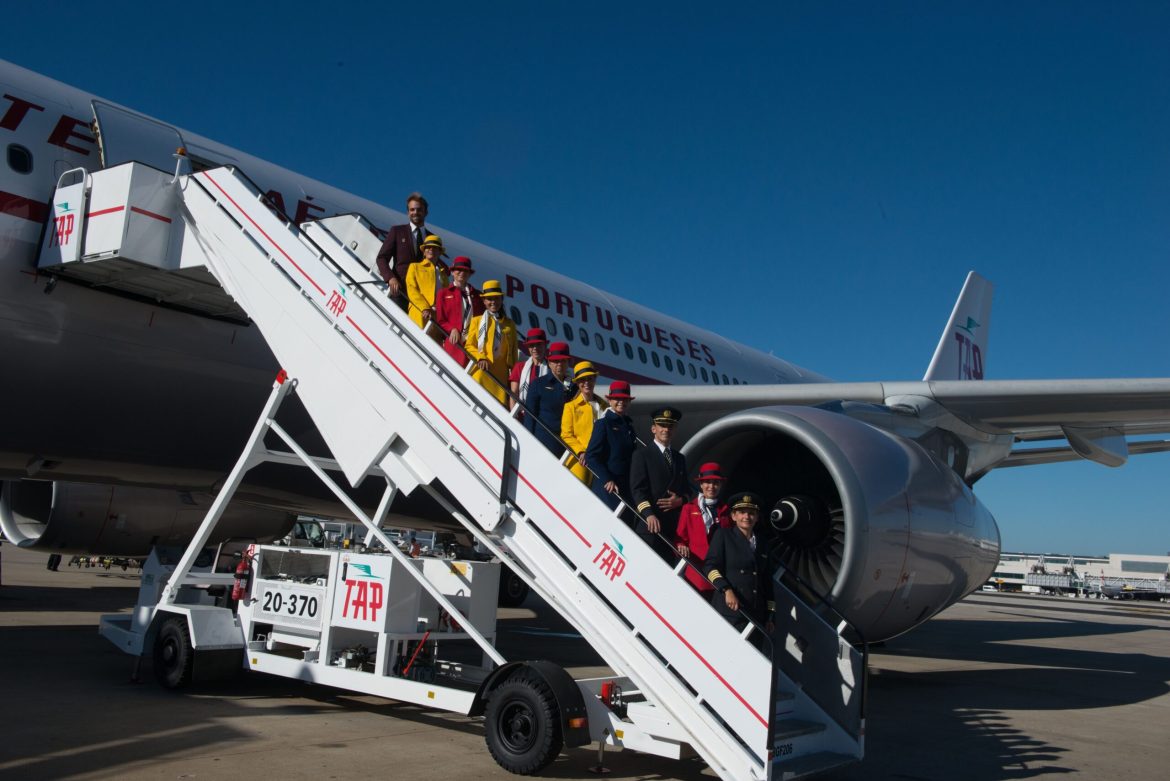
390	402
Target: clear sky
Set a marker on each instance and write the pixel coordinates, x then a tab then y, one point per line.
813	178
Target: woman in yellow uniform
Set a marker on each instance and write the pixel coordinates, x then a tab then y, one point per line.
491	342
424	279
578	417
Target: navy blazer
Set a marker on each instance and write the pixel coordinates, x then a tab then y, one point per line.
608	455
546	401
651	479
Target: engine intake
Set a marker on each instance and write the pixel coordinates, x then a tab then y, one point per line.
872	521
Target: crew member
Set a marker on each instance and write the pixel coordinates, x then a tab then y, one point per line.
403	246
697	522
578	417
525	373
424	280
611	445
547	397
455	305
735	565
491	342
658	481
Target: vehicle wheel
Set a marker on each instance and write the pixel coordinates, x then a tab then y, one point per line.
173	653
513	590
523	727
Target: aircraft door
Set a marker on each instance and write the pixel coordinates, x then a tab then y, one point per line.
123	136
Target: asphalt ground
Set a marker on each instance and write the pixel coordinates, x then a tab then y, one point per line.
997	687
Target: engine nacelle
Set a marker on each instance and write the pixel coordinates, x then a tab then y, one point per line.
871	520
120	520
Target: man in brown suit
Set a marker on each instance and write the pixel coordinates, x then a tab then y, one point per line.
402	247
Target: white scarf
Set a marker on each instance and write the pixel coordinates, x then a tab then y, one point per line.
526	373
482	336
707	509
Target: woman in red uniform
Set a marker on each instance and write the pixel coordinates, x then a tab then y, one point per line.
697	521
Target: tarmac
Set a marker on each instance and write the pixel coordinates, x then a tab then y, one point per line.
1000	686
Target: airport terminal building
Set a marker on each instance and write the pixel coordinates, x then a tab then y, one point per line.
1117	575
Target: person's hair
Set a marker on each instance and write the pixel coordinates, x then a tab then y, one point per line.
417	197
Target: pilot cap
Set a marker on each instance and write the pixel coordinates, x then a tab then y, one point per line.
745	500
666	416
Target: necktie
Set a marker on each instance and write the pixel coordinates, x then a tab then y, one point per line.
466	308
669	459
418	240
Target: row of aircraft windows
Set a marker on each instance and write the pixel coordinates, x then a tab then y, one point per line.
567	333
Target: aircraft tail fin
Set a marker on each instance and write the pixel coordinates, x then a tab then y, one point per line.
962	349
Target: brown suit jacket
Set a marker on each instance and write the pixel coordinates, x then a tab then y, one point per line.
398	252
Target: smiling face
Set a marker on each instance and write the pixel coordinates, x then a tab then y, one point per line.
745	520
417	212
662	434
493	304
619	405
710	488
460	276
586	386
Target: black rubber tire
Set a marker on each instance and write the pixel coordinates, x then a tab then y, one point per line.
523	726
513	590
173	654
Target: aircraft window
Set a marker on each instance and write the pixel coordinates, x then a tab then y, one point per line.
703	372
569	334
515	314
552	327
585	338
734	381
715	377
613	345
533	320
20	159
725	382
669	363
653	357
694	374
681	369
630	352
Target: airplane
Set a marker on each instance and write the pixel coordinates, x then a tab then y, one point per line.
138	401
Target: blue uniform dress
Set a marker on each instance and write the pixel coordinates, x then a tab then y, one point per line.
546	402
611	447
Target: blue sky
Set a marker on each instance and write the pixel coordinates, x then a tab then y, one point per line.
813	179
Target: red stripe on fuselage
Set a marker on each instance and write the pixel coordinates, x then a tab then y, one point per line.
25	208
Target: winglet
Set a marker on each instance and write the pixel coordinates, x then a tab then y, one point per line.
962	350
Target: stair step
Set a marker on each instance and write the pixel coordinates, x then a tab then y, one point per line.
791	728
809	764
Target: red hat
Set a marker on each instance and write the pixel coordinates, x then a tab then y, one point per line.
535	336
559	351
620	389
462	263
710	471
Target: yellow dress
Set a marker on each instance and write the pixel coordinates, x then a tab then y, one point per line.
421	287
576	427
501	361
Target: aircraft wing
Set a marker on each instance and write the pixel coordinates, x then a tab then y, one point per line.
1092	419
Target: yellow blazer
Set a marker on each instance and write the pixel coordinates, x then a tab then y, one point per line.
576	428
420	287
500	364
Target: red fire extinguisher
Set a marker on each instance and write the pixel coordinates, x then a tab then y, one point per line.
243	575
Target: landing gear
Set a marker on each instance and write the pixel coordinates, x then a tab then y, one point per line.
173	654
523	726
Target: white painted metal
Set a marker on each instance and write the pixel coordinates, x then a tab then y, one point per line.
387	399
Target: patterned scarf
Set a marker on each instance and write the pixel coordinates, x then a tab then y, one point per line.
526	376
482	335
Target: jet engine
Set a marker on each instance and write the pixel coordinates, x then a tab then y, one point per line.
120	520
873	521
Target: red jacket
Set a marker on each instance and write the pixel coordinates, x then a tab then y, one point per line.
449	314
693	533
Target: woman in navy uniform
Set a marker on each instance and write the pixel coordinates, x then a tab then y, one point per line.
547	397
735	565
611	446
